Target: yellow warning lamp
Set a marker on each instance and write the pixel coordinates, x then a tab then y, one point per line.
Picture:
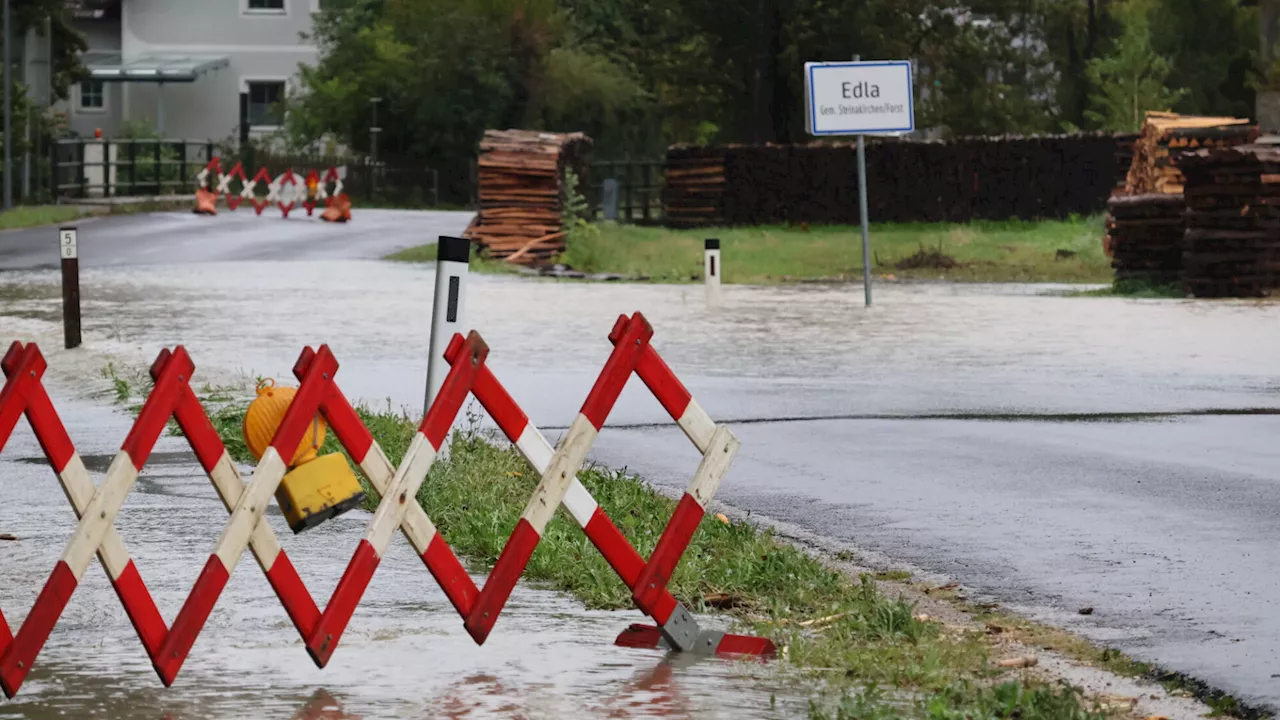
315	488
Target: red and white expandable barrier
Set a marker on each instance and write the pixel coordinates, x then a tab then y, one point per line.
287	191
172	397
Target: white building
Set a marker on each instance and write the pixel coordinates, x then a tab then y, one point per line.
181	65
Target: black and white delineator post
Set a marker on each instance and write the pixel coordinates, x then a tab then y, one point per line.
453	257
711	270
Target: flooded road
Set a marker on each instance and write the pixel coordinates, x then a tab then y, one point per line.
160	238
984	432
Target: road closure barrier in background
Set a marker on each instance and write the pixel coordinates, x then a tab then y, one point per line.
286	191
321	630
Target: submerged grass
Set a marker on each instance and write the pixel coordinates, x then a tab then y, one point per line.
1139	289
845	632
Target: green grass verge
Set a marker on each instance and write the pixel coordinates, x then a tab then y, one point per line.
25	216
1068	251
1047	251
479	264
871	654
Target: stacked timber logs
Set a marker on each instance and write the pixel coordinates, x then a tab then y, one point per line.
520	190
1166	135
1145	233
693	195
1232	244
1124	160
955	181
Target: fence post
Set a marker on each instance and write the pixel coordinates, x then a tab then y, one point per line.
627	182
53	172
159	177
182	167
453	256
647	197
133	167
84	182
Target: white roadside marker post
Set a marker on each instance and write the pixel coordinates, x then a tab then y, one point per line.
711	270
453	256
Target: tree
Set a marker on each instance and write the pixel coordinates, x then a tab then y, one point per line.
448	69
1210	44
988	74
67	42
1131	79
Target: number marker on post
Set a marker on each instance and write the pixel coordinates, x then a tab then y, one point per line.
69	252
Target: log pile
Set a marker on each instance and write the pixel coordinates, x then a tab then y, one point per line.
1165	136
693	195
955	181
1124	160
519	218
1232	242
1145	234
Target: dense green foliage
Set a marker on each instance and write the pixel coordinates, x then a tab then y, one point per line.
638	75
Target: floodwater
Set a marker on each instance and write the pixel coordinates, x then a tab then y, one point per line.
769	353
405	654
900	431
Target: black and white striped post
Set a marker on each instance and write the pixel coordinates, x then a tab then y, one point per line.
453	257
712	269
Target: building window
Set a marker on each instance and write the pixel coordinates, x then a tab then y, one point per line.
267	5
266	100
92	95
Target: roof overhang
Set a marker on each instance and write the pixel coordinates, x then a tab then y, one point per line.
111	67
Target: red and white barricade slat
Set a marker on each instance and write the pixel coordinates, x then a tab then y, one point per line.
290	179
648	580
224	187
212	170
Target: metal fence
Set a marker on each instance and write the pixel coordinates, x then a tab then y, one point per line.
126	168
628	191
635	194
102	168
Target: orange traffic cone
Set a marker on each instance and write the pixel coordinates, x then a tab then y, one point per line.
206	202
339	211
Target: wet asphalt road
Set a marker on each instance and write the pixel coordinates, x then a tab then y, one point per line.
163	238
952	428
